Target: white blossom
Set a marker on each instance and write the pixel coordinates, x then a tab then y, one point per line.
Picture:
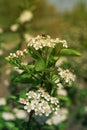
8	116
41	102
45	41
14	27
57	81
18	70
62	92
25	16
31	95
57	119
66	75
60	86
2	101
60	61
18	54
65	43
20	114
22	100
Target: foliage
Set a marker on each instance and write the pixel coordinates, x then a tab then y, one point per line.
36	67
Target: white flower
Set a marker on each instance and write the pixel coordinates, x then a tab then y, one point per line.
22	100
25	16
45	95
8	116
18	54
38	107
18	70
60	61
57	81
25	51
60	86
66	75
31	94
47	111
20	114
41	102
2	101
54	100
57	119
29	107
44	41
62	92
49	122
13	55
14	27
65	43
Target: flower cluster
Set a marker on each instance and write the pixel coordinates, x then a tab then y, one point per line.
57	119
62	92
14	27
41	102
25	16
15	114
20	114
18	54
66	75
2	101
8	116
45	41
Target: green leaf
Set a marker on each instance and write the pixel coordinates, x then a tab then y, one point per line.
30	67
13	97
57	49
48	127
69	52
10	125
62	126
55	58
23	78
40	65
63	97
48	56
7	58
54	77
34	53
22	94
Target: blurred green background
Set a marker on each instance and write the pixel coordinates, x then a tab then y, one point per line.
66	19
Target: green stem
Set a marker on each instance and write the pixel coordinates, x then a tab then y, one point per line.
48	56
